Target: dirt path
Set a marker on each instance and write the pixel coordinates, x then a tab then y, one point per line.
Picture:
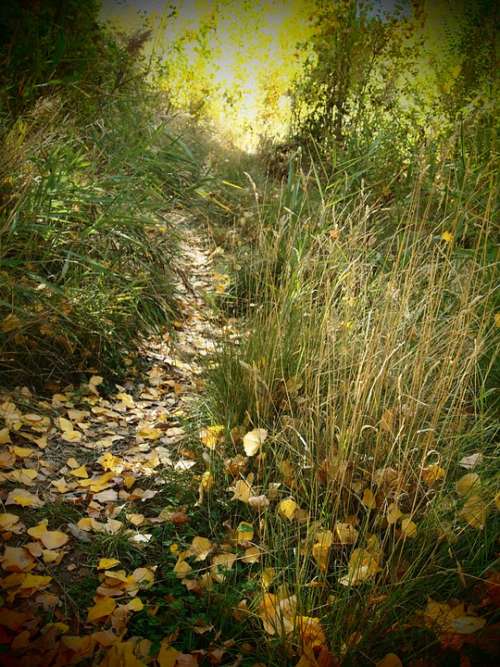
98	472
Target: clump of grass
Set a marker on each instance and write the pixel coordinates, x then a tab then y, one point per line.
88	181
365	337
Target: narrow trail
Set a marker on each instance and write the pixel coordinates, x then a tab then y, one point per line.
85	484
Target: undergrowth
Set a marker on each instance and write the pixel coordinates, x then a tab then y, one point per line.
90	175
368	353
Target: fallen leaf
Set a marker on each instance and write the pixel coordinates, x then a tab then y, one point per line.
17	559
346	533
244	532
363	565
103	607
368	499
471	461
288	508
466	483
23	498
242	490
167	657
390	660
107	563
432	474
51	539
8	521
251	555
408	528
136	604
182	568
474	512
201	547
258	502
211	436
221	563
253	441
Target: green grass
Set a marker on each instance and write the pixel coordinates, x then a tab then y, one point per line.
88	183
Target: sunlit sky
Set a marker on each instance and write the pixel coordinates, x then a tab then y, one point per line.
253	51
245	57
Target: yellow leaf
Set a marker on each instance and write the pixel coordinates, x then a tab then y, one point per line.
23	476
497	320
363	565
80	472
321	553
23	498
347	534
390	660
128	481
149	432
71	436
10	323
65	424
17	559
244	532
466	483
4	436
51	539
88	524
8	521
267	577
103	607
211	436
278	613
136	519
220	563
408	528
253	441
368	499
107	563
51	557
182	569
242	490
36	582
393	513
126	399
201	547
474	512
167	657
61	485
287	508
22	452
252	555
136	604
310	631
445	618
432	474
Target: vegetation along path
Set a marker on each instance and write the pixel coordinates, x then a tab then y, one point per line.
249	334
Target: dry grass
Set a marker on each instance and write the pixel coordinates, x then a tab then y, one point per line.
366	358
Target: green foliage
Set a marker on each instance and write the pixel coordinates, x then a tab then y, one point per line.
88	177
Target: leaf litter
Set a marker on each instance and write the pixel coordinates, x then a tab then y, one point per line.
101	456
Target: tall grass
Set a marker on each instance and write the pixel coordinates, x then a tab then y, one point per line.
367	345
88	175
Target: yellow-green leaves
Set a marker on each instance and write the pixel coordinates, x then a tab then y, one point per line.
363	565
212	436
288	508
